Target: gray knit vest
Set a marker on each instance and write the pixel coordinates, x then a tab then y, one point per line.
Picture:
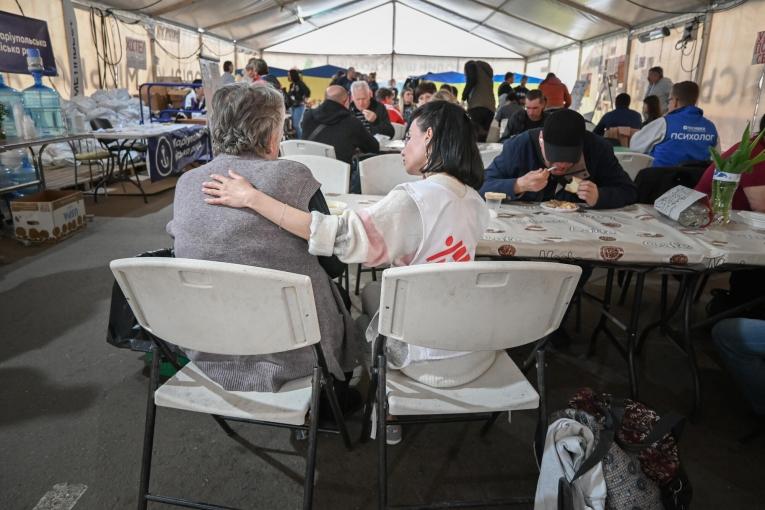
241	236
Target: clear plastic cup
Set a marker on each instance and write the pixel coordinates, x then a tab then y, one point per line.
494	200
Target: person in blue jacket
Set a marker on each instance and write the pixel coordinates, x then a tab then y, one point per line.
682	135
621	116
522	170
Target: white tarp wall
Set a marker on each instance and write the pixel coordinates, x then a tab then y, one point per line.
594	70
564	63
176	49
404	65
678	64
443	48
731	85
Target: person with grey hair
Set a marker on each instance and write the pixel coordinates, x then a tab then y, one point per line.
371	113
246	131
257	70
333	124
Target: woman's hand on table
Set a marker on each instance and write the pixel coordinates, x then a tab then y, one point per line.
232	191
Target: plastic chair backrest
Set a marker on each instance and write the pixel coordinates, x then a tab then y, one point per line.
494	132
488	156
380	174
399	130
333	174
503	127
475	306
100	123
217	307
633	162
306	147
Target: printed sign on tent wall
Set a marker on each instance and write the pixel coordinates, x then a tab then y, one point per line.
135	52
758	55
17	34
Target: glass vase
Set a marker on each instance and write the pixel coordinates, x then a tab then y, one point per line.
724	186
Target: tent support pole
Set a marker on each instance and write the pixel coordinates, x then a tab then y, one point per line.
627	56
393	41
704	48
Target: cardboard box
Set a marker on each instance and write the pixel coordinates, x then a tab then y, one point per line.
177	97
48	216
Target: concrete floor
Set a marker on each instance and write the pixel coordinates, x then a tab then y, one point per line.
73	408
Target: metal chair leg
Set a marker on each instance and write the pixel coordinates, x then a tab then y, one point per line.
541	431
382	443
489	423
312	433
148	433
358	278
336	411
366	420
222	424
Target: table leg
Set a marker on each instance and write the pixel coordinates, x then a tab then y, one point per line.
690	283
632	334
606	307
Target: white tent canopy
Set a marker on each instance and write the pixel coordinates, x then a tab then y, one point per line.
527	28
405	36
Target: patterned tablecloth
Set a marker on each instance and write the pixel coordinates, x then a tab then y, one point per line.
633	235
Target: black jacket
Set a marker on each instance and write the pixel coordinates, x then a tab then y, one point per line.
298	92
520	122
521	154
343	131
382	125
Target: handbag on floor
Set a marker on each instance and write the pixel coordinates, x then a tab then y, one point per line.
638	451
123	330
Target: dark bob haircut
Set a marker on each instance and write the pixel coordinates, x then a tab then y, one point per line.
453	149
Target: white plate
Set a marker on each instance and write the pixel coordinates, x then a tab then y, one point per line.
336	207
546	207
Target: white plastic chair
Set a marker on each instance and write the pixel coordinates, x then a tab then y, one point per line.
633	162
333	174
306	147
399	130
380	174
212	307
488	156
494	132
465	306
503	127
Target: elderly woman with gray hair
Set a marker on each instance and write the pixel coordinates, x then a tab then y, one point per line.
246	131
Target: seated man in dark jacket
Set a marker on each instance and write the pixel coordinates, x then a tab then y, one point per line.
332	123
373	115
621	116
522	169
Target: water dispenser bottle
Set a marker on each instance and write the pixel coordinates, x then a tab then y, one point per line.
25	172
42	103
12	100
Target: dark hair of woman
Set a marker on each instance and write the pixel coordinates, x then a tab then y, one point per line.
453	149
653	108
294	75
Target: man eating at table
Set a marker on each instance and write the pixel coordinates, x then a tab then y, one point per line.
560	161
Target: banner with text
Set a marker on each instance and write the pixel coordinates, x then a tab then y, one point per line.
171	152
18	33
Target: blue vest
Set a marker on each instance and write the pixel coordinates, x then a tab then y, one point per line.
689	136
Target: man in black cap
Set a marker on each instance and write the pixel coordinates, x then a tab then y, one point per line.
537	165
